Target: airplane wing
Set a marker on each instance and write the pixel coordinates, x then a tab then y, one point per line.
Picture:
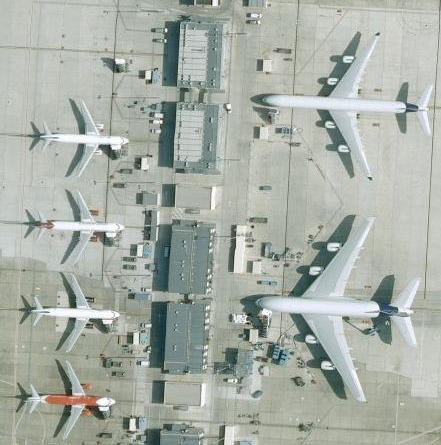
81	245
333	280
78	328
88	121
77	389
346	122
84	210
348	85
329	332
88	152
75	413
80	299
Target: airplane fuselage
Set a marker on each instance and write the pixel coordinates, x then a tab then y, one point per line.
59	399
337	104
343	307
85	139
79	226
93	314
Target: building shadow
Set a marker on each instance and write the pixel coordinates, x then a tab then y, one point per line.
160	276
158	330
171	53
167	136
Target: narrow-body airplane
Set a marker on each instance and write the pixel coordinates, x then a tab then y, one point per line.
87	226
82	312
91	140
323	306
343	105
79	402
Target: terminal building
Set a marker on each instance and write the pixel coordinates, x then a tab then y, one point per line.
191	257
196	138
201	54
186	338
182	434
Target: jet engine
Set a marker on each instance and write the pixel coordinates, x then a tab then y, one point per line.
311	339
315	270
330	125
104	408
326	365
333	247
332	81
107	321
348	59
343	148
111	234
100	127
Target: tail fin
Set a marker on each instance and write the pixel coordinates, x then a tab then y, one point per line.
404	302
421	114
34	399
39	307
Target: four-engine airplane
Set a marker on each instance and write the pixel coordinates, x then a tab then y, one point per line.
80	403
91	140
87	226
323	306
82	312
343	105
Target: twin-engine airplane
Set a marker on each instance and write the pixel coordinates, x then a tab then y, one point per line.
79	402
82	312
343	105
323	306
91	140
87	226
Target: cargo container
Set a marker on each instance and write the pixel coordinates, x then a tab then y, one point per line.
132	424
142	296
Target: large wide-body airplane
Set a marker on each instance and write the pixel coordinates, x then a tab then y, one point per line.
87	226
343	105
80	403
323	306
91	140
82	312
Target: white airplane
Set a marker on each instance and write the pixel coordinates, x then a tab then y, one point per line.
87	226
343	104
80	403
82	312
91	140
323	306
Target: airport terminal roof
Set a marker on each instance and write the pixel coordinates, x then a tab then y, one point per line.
184	393
181	434
200	62
191	257
196	138
195	197
186	338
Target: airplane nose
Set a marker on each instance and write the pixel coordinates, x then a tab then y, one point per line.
261	302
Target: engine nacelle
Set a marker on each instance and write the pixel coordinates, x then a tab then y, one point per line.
332	81
333	247
330	125
343	148
103	408
98	152
107	322
348	59
315	270
311	339
111	234
100	127
326	365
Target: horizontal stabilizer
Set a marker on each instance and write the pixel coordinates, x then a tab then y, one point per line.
404	302
46	129
46	144
34	399
423	101
39	307
404	325
423	120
